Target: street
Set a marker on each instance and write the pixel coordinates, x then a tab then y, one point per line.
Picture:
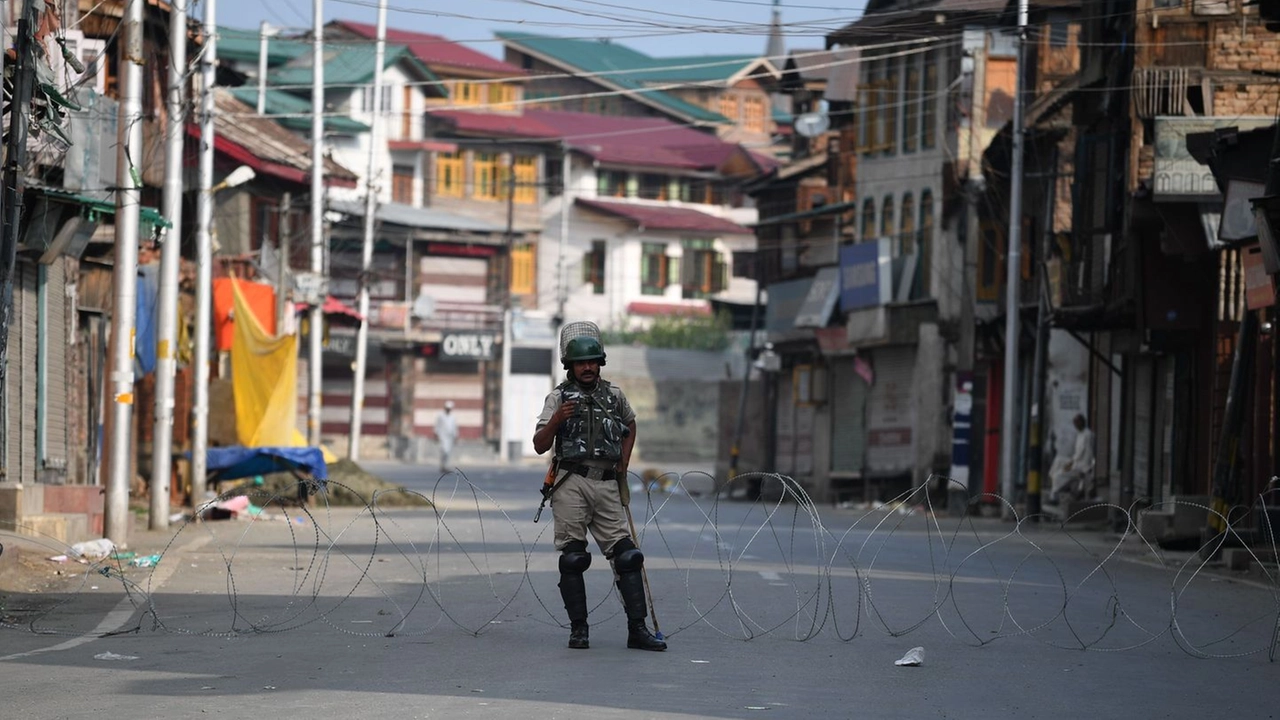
770	610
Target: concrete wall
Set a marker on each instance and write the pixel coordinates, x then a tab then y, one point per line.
676	397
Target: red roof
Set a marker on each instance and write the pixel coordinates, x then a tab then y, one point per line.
434	50
653	142
660	217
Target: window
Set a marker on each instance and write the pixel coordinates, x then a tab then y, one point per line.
911	111
929	105
487	169
925	243
653	187
611	183
754	112
907	226
703	271
990	260
366	99
523	269
450	170
465	93
886	217
266	223
890	110
654	268
402	184
728	106
526	169
406	115
868	219
502	97
593	267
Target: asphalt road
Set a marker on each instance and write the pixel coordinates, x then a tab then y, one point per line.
770	611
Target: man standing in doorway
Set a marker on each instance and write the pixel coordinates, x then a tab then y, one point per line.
446	434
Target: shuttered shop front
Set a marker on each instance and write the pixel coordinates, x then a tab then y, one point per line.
891	413
848	418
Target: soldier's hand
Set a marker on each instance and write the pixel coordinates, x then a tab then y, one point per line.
564	412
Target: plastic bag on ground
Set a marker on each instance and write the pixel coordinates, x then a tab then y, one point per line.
93	549
914	657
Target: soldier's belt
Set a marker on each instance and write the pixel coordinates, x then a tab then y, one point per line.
588	472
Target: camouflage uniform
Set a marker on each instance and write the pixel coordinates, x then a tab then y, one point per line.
586	496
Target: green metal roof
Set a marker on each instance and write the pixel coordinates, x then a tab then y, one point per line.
242	46
279	102
628	69
352	64
694	68
93	208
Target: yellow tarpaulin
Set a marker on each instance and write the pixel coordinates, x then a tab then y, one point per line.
264	380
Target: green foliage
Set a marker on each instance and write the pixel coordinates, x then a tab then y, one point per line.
683	333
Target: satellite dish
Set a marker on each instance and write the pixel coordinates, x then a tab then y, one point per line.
812	124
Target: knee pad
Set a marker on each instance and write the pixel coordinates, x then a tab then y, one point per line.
575	559
628	561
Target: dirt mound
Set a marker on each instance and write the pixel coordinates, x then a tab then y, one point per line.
349	485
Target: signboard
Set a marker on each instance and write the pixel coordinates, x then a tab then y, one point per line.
820	300
1179	177
860	276
1259	292
467	346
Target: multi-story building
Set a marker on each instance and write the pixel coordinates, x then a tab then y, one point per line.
726	95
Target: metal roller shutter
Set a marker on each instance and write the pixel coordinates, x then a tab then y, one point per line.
891	412
56	332
848	419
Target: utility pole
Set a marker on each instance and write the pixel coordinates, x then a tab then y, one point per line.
562	287
735	451
15	187
1013	260
1033	459
366	254
125	275
507	306
204	260
170	262
315	356
286	249
264	32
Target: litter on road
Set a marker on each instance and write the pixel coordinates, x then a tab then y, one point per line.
913	658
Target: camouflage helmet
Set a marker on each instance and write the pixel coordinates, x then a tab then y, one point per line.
583	348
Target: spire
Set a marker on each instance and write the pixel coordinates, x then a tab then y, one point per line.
774	48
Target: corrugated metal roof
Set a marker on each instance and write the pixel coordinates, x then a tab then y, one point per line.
293	109
596	56
352	64
659	217
409	216
271	144
646	142
243	45
436	50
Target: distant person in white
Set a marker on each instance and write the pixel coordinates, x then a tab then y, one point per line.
1075	476
446	434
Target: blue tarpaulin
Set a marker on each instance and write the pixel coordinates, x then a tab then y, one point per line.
146	322
231	463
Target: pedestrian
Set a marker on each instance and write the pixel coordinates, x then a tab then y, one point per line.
1076	475
593	429
446	434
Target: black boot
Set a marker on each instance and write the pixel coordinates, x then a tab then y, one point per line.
573	589
579	636
631	587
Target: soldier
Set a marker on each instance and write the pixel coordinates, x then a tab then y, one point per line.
593	429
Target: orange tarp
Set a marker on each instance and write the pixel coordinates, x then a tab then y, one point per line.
260	298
